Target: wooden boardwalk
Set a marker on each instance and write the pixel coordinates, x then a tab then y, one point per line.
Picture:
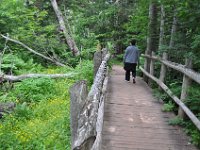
133	119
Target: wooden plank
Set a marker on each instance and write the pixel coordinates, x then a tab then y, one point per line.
128	129
133	120
155	141
144	138
142	145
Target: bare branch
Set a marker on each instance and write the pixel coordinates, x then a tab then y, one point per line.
33	51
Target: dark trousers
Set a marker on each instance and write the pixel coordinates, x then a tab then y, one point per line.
130	68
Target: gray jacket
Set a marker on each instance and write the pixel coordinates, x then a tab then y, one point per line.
131	54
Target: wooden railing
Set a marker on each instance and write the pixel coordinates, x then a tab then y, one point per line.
189	74
87	109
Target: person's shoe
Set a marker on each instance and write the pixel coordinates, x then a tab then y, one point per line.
134	81
127	81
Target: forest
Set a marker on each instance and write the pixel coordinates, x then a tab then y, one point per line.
48	45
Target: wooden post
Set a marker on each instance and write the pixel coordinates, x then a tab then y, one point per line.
97	61
146	65
152	64
151	67
99	125
163	69
78	96
104	53
185	85
87	116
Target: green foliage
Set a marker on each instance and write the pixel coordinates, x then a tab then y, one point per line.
85	70
176	87
193	132
40	120
160	95
176	121
34	90
120	57
23	111
167	107
18	65
115	61
192	100
43	124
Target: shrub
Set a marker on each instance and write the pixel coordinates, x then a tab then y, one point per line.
85	70
167	107
34	90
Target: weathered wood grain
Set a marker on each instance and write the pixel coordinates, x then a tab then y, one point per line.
133	119
90	120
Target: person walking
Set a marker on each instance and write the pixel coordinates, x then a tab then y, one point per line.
131	60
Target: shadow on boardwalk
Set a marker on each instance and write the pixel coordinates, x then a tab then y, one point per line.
134	121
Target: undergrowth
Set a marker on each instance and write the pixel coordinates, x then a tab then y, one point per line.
41	119
192	102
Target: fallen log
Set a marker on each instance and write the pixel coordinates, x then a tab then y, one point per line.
25	76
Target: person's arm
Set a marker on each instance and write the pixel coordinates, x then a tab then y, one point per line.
125	55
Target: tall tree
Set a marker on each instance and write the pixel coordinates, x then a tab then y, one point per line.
161	41
173	29
162	26
69	39
152	38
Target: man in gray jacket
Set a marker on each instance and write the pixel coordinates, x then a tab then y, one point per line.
131	59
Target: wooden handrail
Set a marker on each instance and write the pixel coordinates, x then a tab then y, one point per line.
189	73
192	117
179	67
88	127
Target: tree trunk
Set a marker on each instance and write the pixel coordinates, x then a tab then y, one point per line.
162	42
173	29
152	37
162	27
70	41
163	69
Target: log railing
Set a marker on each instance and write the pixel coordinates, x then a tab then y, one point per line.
87	109
189	74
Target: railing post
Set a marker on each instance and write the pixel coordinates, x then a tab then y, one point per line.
97	61
163	68
152	64
146	65
151	67
78	97
185	85
86	109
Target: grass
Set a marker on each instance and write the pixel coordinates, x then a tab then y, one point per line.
41	119
40	125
